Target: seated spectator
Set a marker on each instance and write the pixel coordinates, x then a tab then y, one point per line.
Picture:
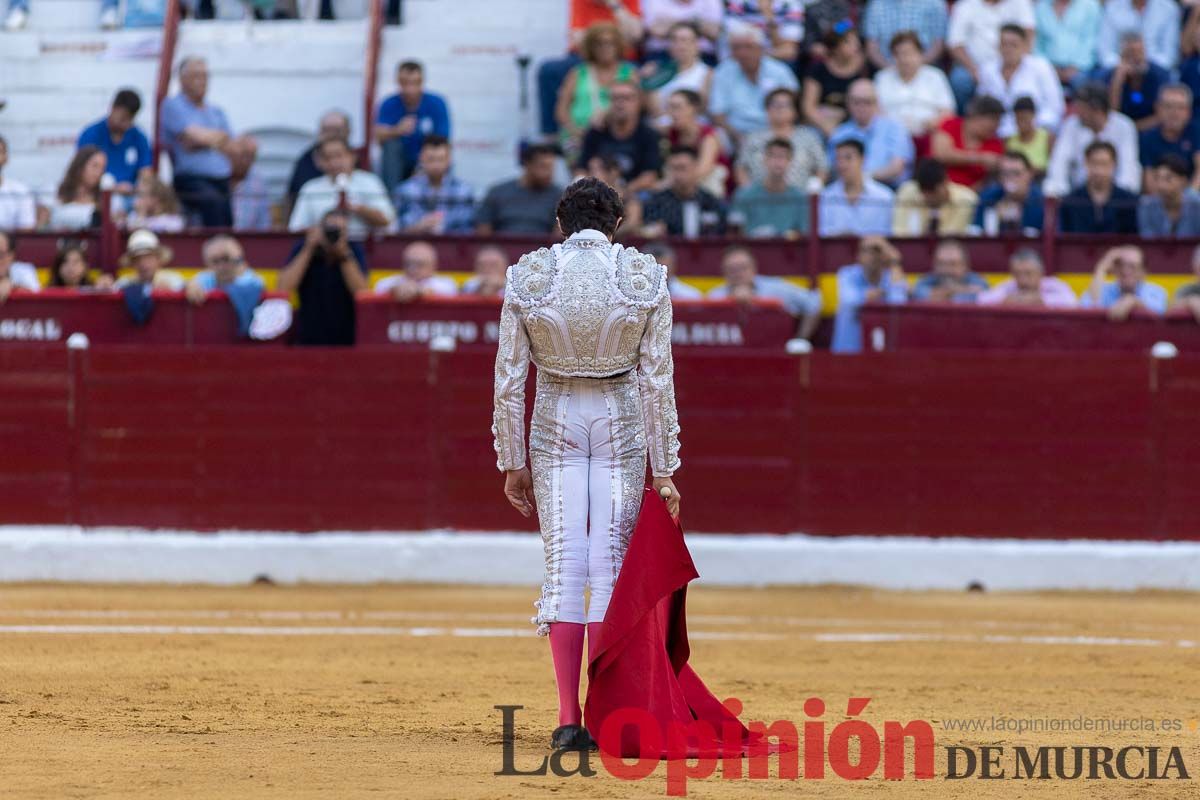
1067	34
325	269
366	201
884	20
15	275
247	187
1093	121
1128	290
420	280
404	120
1156	20
930	204
155	207
888	145
1173	209
70	270
974	39
910	90
808	153
434	200
854	204
1014	204
1189	69
623	135
779	23
1029	285
1134	84
688	129
968	145
125	146
683	70
1020	73
491	272
332	125
740	84
744	285
877	277
18	211
525	204
951	280
584	97
1099	205
78	195
148	259
664	254
1188	295
683	208
824	19
663	18
1176	133
225	271
771	207
1029	140
827	82
605	168
198	136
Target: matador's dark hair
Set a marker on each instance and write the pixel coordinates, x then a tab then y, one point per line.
589	203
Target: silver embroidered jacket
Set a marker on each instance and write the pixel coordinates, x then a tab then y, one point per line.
587	309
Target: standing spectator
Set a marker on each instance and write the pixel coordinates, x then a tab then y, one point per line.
974	39
1067	35
366	201
1093	121
889	147
1029	140
1029	285
1173	209
683	208
951	280
584	97
662	18
125	146
405	119
332	125
1134	85
664	254
78	195
1128	290
15	274
251	203
688	129
744	285
886	19
1014	204
325	269
808	154
225	271
70	270
684	70
623	135
420	280
741	84
198	137
912	91
877	277
1019	73
1188	296
490	268
1156	20
148	260
525	204
18	211
1176	132
854	204
827	83
434	200
772	207
155	207
1099	205
929	204
968	145
780	24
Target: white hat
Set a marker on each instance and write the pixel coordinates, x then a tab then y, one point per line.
144	241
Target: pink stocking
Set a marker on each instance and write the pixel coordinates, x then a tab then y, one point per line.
593	637
566	648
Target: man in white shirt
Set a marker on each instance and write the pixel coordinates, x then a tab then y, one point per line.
974	38
366	203
420	279
14	274
17	210
1020	73
1093	121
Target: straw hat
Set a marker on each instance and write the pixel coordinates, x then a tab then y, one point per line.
143	241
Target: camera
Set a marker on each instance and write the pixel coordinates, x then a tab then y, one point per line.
333	234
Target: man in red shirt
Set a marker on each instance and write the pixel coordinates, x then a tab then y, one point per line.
968	145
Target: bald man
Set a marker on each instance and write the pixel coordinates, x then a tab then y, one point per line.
888	144
420	279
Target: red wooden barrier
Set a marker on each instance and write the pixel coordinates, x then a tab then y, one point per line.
1017	445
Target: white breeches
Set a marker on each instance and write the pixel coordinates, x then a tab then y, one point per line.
587	451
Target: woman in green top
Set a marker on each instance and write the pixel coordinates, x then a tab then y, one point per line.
584	96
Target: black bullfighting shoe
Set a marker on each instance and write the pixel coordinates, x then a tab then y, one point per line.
571	737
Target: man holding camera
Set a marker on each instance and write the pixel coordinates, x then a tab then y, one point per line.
326	270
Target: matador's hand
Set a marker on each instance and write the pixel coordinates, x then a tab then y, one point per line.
671	499
518	488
